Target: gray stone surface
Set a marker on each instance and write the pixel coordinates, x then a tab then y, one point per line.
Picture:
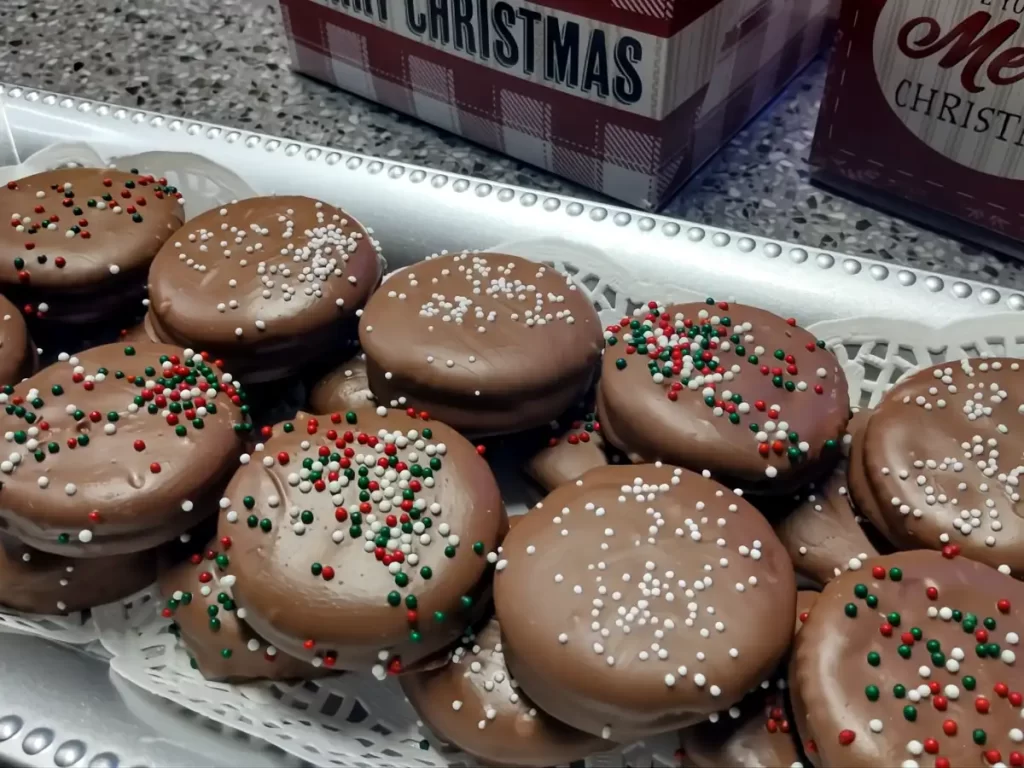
226	61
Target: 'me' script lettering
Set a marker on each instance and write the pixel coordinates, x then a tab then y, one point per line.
977	43
953	72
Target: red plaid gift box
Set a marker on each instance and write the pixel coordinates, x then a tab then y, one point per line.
627	97
943	83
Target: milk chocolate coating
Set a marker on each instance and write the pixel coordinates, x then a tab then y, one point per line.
571	451
638	416
860	490
140	332
83	278
38	582
941	457
346	612
474	703
805	600
639	538
130	482
757	732
961	639
222	646
289	272
822	534
18	357
343	389
487	343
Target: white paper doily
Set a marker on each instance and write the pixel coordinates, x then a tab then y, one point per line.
81	628
356	720
876	353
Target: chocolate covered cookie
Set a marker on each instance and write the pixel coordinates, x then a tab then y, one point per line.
18	356
573	449
756	732
268	284
729	388
912	662
343	389
822	534
639	599
939	462
474	703
485	342
32	581
81	241
117	449
363	541
198	598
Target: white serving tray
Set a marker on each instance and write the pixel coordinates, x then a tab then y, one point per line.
60	706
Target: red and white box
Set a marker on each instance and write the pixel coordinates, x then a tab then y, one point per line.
627	97
924	114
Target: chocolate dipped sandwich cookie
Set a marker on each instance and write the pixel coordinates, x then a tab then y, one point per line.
757	732
939	461
487	343
474	703
117	449
640	599
81	241
343	389
198	599
725	387
268	284
912	662
822	534
18	356
575	445
33	581
363	541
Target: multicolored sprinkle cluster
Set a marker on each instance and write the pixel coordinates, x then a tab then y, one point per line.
129	200
178	389
913	644
710	354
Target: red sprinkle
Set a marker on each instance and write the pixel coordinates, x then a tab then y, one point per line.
846	737
139	445
155	468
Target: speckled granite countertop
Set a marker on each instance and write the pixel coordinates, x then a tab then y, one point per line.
226	61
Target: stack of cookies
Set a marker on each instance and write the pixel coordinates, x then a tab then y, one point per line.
694	463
